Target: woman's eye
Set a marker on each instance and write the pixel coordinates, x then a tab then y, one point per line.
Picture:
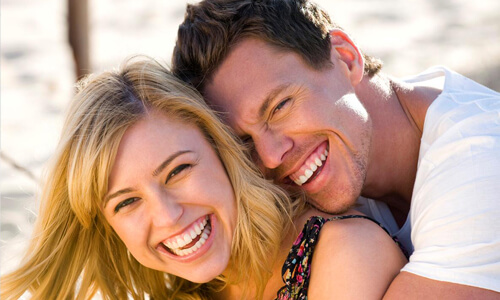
177	170
125	203
281	105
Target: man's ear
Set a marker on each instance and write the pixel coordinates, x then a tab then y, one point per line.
344	49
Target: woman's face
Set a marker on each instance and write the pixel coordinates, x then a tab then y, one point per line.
170	200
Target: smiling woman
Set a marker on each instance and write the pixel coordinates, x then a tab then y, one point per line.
150	195
172	203
145	168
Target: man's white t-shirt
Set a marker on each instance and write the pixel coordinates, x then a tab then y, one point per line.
454	216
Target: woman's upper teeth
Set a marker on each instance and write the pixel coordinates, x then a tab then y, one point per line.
313	166
185	238
196	246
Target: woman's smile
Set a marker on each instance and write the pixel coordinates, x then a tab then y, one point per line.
170	199
192	242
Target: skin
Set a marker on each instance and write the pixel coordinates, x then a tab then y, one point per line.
373	138
166	176
368	257
288	117
344	248
160	198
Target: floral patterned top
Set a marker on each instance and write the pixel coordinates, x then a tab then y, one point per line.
297	267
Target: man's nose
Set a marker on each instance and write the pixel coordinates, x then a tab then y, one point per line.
271	148
165	210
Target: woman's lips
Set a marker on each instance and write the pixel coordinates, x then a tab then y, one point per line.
191	240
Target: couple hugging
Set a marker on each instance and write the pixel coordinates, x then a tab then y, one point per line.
381	187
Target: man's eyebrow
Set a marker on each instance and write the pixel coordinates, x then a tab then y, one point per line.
270	97
155	173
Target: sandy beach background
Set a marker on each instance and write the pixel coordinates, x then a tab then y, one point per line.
37	70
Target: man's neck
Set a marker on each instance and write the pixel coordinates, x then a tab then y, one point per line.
398	113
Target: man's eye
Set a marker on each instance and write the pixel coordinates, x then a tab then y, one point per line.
124	203
281	105
177	170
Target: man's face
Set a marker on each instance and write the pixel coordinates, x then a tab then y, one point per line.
307	126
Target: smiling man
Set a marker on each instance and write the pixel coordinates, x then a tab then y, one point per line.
321	116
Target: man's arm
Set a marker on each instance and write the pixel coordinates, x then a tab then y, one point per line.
409	286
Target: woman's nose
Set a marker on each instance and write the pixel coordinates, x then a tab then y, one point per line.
165	210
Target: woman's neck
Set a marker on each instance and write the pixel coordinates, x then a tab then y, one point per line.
275	282
236	291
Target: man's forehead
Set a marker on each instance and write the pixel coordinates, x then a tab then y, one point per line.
235	109
245	82
237	113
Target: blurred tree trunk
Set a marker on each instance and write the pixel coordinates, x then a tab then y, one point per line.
78	31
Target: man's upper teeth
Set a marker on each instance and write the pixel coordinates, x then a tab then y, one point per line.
318	162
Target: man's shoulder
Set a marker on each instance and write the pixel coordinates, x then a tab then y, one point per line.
463	104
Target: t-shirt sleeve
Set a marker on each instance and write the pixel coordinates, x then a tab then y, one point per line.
455	213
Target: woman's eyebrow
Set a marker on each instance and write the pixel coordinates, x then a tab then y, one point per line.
155	173
116	194
167	161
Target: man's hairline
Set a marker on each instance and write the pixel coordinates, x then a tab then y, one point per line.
208	77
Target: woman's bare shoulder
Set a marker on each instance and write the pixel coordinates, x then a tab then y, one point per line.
354	258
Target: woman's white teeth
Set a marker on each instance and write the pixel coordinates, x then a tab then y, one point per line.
318	162
197	230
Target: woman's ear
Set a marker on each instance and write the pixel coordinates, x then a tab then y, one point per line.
344	49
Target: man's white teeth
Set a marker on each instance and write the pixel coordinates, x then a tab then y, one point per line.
318	162
178	243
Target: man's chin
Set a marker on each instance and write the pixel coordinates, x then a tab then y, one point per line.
331	204
332	209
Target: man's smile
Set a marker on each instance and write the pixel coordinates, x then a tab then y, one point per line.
311	166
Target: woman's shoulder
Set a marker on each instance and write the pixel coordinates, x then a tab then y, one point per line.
334	250
354	252
351	222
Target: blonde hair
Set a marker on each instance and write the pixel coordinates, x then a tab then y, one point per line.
74	253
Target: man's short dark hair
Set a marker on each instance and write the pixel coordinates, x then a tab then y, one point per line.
212	27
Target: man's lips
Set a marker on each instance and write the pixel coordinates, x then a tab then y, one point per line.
312	165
